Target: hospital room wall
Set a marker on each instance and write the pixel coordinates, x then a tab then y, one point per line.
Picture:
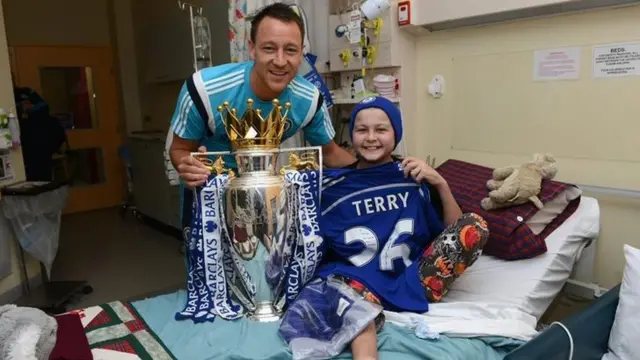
494	113
6	102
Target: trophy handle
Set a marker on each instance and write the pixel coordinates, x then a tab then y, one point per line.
316	148
318	165
300	163
216	167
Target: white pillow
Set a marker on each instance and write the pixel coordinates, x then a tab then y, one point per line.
552	209
623	340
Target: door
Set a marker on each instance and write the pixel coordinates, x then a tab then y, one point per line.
80	88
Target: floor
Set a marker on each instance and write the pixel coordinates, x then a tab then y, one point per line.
121	258
563	306
125	259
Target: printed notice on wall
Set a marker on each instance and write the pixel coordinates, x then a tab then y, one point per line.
6	171
556	64
616	60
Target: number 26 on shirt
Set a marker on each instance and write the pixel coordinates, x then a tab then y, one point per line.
390	251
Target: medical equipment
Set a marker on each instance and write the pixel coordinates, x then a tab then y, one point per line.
372	9
566	330
364	19
200	36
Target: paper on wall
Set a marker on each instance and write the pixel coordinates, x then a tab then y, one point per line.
556	64
616	60
6	168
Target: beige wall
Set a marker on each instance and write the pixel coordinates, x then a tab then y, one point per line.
6	102
157	101
68	22
493	113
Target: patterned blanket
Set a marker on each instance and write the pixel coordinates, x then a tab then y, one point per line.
117	331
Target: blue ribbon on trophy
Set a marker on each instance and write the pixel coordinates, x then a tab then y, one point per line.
305	233
255	239
215	246
198	305
207	271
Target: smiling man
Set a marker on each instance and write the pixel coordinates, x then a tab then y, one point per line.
277	34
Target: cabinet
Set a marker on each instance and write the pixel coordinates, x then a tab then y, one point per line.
153	195
164	38
446	14
437	11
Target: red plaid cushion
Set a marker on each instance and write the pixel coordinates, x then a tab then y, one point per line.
510	237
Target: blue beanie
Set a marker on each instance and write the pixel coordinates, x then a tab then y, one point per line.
384	104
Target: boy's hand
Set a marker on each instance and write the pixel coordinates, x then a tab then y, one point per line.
420	171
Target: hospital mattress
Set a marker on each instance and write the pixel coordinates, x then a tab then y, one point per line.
531	285
243	339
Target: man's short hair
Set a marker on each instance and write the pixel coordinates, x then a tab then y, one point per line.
278	11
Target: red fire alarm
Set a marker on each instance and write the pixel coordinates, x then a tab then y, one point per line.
404	13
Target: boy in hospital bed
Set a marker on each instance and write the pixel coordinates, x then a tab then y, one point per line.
389	247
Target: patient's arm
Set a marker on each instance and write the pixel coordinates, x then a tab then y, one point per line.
450	209
365	345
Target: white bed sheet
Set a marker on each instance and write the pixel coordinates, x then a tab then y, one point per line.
530	285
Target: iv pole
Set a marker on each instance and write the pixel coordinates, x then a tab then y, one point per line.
182	5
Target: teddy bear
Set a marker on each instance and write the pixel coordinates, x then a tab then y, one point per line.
26	333
516	185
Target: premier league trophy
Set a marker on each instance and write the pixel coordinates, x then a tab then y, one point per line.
266	238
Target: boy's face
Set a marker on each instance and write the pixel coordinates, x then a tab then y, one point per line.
373	136
277	53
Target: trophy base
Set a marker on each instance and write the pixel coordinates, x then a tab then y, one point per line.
265	312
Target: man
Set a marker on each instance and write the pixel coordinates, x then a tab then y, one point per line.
276	43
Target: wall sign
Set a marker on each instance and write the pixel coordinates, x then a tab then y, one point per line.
556	64
616	60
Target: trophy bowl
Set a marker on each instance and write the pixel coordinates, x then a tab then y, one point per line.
253	201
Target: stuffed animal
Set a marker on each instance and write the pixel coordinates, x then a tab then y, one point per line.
516	185
26	333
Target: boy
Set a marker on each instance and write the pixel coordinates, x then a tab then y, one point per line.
388	247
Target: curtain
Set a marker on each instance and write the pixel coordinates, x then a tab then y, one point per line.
238	32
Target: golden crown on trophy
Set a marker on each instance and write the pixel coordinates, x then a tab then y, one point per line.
253	130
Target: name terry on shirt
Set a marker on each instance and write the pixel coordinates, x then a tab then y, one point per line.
378	204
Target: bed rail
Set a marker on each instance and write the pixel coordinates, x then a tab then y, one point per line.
602	190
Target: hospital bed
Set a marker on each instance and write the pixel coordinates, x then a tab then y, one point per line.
491	311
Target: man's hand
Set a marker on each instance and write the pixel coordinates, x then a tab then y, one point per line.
192	171
420	171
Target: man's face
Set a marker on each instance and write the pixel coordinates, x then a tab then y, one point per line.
277	53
